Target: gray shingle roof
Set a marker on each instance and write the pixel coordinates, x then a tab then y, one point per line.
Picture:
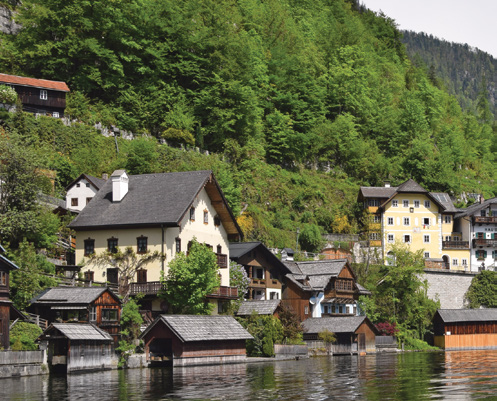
471	210
318	273
378	192
265	307
70	295
362	290
240	249
342	324
411	186
467	315
75	331
203	328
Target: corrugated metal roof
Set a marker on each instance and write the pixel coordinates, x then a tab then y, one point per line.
77	331
263	307
34	82
467	315
202	328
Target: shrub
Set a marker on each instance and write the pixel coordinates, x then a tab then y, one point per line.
23	336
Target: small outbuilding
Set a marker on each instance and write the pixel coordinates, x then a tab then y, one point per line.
458	329
195	340
74	347
354	334
266	307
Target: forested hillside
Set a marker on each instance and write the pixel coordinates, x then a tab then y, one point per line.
298	103
468	73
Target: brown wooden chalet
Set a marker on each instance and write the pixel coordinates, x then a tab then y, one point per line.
195	340
354	334
5	304
38	96
74	347
322	288
97	305
465	328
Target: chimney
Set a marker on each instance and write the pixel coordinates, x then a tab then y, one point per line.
105	176
387	184
119	185
482	199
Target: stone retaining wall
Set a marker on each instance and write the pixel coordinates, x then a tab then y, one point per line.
22	363
449	287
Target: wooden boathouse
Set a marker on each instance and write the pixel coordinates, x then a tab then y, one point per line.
462	329
187	340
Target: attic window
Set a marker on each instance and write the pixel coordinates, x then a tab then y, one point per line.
87	185
192	214
78	185
3	278
206	217
217	221
43	94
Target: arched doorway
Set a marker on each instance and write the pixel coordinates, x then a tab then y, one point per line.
446	262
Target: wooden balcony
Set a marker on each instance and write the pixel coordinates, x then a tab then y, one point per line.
486	219
483	242
455	244
225	292
258	282
153	288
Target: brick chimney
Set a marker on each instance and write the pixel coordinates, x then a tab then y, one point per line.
482	199
119	185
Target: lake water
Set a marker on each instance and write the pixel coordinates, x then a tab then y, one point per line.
458	375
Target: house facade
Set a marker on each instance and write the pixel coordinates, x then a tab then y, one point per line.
156	212
39	96
265	270
81	191
423	220
322	288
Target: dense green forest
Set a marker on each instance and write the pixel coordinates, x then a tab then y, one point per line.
297	102
466	72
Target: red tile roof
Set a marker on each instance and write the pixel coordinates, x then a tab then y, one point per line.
37	83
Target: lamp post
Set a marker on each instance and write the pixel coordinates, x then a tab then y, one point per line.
297	243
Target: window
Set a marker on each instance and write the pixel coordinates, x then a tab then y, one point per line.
89	247
390	221
416	203
373	202
405	203
141	276
178	244
112	245
407	239
89	276
109	315
447	219
43	94
481	254
78	185
426	221
454	262
376	219
141	244
344	285
3	278
464	262
426	239
217	221
206	217
113	275
192	214
427	204
374	236
55	114
306	310
483	213
395	203
447	238
390	238
93	314
74	201
427	255
407	221
219	249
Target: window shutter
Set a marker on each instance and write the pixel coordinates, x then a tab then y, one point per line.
484	254
493	236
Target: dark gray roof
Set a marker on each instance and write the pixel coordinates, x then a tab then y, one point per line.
342	324
70	295
445	200
265	307
467	315
362	290
475	208
96	182
238	249
7	262
378	192
75	331
411	186
202	328
317	272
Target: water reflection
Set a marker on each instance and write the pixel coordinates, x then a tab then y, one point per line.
461	375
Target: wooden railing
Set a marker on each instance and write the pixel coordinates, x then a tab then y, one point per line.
486	219
455	244
150	288
224	292
484	242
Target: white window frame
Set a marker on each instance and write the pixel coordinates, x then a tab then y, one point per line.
464	262
376	218
424	221
390	238
404	238
55	114
447	219
416	203
395	203
390	221
405	203
427	255
427	204
43	94
425	238
408	220
455	262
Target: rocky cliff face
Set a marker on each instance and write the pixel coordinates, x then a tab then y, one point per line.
7	24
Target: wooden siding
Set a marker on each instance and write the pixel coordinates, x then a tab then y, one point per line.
4	324
460	328
296	299
466	341
370	335
31	96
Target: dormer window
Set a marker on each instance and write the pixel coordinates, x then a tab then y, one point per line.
43	94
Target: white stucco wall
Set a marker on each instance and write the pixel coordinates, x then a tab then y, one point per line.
81	193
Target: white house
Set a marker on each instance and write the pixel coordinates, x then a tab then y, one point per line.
81	191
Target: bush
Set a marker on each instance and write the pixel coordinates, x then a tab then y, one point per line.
23	336
266	330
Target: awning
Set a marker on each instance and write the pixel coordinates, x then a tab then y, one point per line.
69	308
348	301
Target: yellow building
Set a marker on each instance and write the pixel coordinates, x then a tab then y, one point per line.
411	215
156	212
